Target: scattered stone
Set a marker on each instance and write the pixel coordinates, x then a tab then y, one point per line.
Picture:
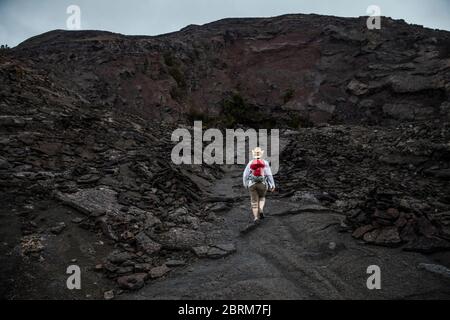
127	236
357	88
201	251
132	282
92	200
388	237
89	178
109	295
371	237
119	257
77	220
181	239
106	228
146	244
159	272
59	228
143	267
361	231
31	244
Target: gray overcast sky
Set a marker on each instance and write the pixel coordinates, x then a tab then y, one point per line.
21	19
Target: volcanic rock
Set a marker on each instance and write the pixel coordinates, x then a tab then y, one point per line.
146	244
181	238
90	201
214	251
58	229
159	272
132	282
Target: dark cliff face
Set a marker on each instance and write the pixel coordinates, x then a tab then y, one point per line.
297	68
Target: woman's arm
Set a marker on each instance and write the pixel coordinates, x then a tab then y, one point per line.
245	175
268	174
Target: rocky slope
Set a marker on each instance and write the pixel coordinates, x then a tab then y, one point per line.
392	183
86	119
303	68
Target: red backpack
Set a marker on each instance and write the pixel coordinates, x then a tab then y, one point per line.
257	167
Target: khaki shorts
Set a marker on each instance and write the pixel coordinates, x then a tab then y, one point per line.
257	192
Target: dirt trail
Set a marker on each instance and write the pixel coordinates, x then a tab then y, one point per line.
294	254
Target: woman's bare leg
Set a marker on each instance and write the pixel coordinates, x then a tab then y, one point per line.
255	202
262	203
262	190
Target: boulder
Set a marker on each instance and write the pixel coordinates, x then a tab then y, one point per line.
181	239
386	237
361	231
92	200
132	282
119	257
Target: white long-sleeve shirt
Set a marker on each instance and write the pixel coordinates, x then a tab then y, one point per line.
267	173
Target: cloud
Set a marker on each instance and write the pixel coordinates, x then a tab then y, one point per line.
21	19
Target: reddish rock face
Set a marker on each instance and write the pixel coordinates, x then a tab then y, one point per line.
312	68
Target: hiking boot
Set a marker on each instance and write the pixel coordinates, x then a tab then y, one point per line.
251	226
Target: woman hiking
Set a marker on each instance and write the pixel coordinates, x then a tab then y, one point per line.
258	179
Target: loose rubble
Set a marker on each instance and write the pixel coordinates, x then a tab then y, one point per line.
379	177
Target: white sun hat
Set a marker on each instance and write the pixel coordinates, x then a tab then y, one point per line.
258	153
